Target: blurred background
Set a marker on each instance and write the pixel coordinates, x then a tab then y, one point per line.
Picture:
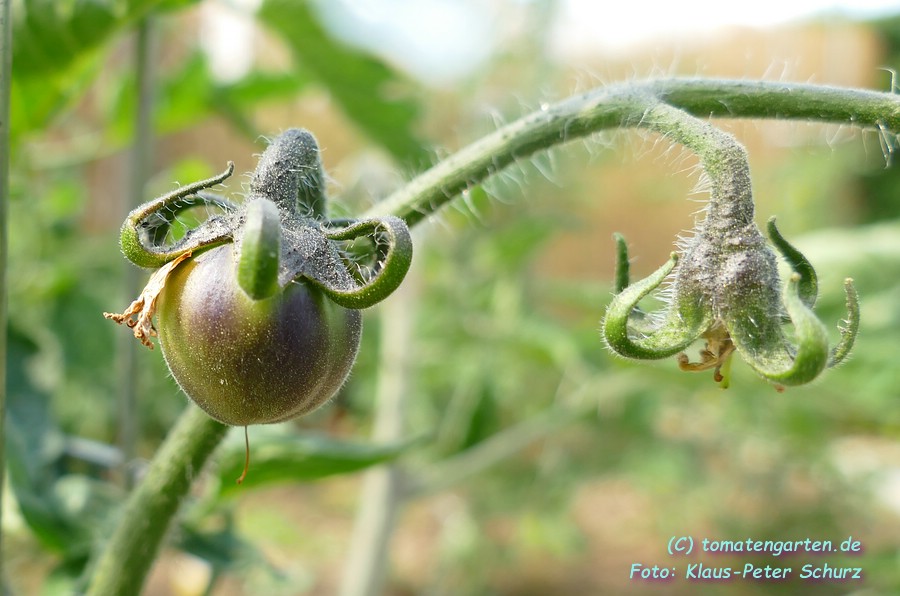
530	460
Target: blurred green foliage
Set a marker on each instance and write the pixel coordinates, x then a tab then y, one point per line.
610	458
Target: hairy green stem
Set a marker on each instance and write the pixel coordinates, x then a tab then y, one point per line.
131	550
5	82
128	555
723	159
619	106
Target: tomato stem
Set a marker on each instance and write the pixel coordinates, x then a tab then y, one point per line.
620	106
127	557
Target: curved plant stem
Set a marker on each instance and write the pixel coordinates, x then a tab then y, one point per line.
132	548
127	557
619	106
5	82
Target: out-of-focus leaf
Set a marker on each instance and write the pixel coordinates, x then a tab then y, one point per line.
65	579
483	421
292	458
190	95
225	550
360	84
49	35
87	502
33	444
221	548
36	100
259	86
64	512
55	45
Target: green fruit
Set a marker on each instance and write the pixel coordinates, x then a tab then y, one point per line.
258	305
246	361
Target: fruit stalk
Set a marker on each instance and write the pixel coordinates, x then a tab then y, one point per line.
614	106
131	550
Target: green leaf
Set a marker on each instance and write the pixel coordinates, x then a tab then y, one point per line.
298	458
63	510
257	86
55	45
484	419
228	552
36	100
362	85
34	444
86	504
190	94
50	35
65	578
220	548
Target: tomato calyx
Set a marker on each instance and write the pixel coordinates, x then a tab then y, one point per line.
281	235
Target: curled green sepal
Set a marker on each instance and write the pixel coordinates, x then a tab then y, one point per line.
809	284
638	319
623	265
785	364
259	249
145	228
672	335
392	246
850	326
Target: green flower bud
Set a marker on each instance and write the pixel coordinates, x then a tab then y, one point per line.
725	287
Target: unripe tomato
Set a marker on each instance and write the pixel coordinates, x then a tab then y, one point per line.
246	361
244	348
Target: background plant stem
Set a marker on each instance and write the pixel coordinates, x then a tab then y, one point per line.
140	163
129	554
382	495
5	82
